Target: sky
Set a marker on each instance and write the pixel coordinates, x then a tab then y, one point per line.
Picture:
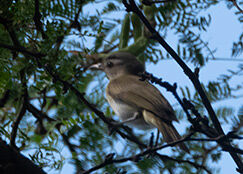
224	29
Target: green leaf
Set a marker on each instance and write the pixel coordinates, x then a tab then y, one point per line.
36	138
125	30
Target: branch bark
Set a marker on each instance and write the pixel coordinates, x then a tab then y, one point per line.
12	162
22	111
37	19
236	5
137	157
4	98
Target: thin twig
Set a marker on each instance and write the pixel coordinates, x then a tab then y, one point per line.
16	125
185	104
37	113
22	111
138	156
73	151
150	2
152	150
236	5
22	50
169	87
37	19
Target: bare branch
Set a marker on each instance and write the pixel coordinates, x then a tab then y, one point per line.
148	151
236	5
137	157
151	2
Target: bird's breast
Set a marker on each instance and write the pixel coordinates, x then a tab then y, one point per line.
125	111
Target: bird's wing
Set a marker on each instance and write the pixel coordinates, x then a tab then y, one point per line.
141	94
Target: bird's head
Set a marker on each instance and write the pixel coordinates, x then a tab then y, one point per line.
120	63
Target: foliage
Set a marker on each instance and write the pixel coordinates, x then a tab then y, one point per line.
73	34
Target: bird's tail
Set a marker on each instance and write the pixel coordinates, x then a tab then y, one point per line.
168	131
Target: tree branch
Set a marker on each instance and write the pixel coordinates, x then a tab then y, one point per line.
131	6
37	113
16	125
148	151
135	158
236	5
22	111
151	2
11	161
4	98
22	50
185	104
37	19
73	151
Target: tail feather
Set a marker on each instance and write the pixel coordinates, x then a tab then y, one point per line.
168	131
170	134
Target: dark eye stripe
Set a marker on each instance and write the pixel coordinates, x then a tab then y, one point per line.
112	57
110	64
119	59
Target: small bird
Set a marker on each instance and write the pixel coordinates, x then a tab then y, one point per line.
137	103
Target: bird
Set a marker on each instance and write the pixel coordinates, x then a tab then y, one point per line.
137	103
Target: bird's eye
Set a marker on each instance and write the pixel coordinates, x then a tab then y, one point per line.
109	64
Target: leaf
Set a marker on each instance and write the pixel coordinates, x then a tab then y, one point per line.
36	138
138	47
137	26
124	36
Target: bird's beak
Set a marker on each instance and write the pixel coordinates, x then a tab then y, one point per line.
97	66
